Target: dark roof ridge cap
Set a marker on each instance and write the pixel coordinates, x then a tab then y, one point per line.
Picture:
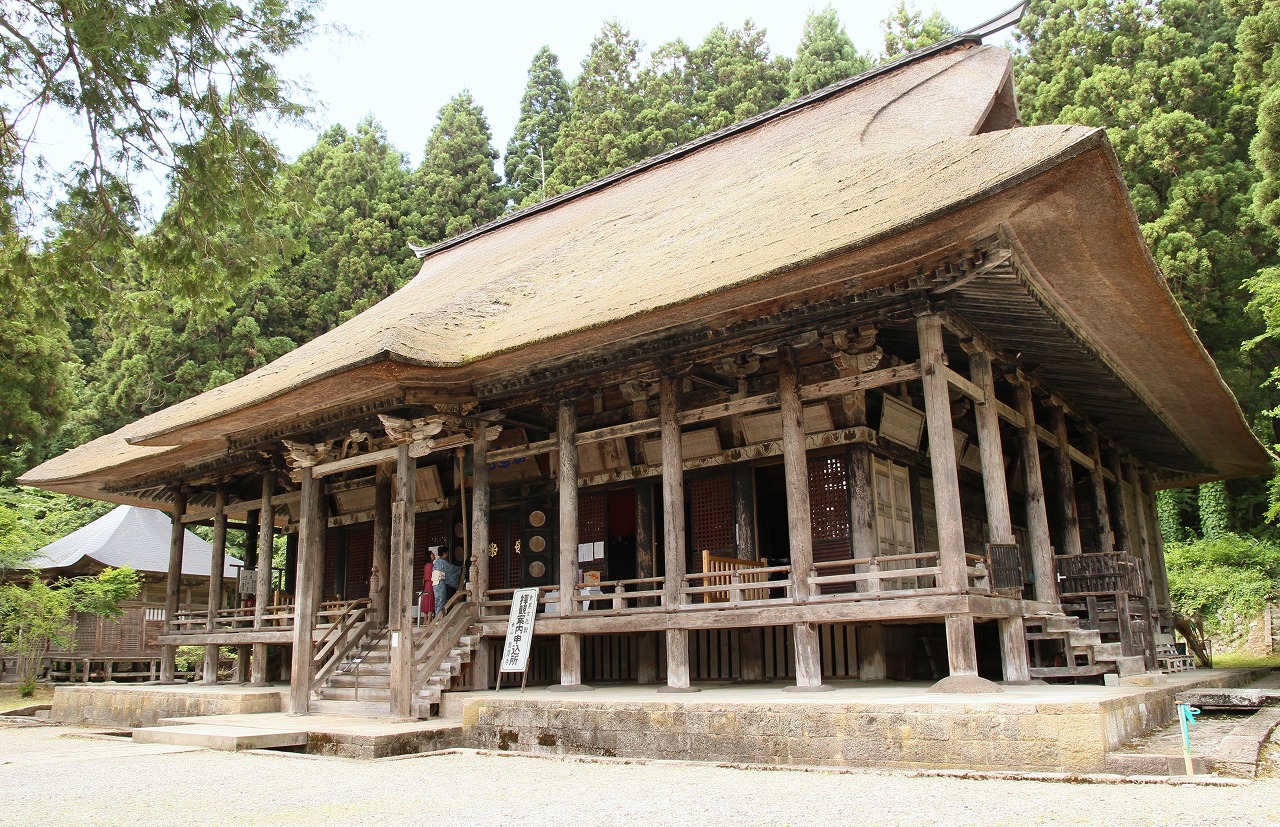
698	143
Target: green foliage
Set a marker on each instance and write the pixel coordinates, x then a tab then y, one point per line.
185	85
734	78
906	29
544	108
31	519
1169	515
599	136
826	54
1214	519
457	189
36	616
1225	579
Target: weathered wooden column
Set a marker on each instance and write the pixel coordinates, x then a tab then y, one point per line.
173	585
1066	483
479	580
400	603
1013	632
310	569
1101	510
216	563
262	582
1159	575
673	533
1121	518
991	448
567	480
1043	571
962	653
795	465
1138	545
646	566
380	568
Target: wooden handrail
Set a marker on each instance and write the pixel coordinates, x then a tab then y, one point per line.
443	634
339	639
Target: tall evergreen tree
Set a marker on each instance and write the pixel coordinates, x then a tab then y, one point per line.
907	29
734	77
826	54
456	187
599	136
544	108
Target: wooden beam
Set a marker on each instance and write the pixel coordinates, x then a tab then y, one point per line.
796	472
217	561
173	584
673	526
1101	510
262	581
861	382
402	579
991	449
942	455
238	506
966	387
567	425
1009	415
1066	484
310	570
1044	572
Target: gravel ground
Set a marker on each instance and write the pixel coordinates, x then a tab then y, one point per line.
60	775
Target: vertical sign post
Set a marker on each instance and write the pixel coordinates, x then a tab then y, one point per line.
515	650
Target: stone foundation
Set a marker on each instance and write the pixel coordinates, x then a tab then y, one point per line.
1010	731
133	705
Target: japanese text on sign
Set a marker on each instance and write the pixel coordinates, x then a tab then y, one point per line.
515	651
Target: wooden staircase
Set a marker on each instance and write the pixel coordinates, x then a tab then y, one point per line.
446	676
1060	648
361	683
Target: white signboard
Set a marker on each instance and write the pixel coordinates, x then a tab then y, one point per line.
515	651
248	581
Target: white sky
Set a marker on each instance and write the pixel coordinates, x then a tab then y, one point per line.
404	59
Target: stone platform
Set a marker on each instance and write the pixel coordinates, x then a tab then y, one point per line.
1034	727
132	705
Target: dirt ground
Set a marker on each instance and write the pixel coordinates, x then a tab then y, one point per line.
65	775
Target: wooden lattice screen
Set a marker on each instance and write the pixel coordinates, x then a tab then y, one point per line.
711	499
359	560
829	507
593	518
428	530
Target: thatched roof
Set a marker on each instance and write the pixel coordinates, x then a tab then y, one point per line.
880	157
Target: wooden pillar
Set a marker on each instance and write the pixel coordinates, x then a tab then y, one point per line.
567	482
310	569
1066	483
962	649
1044	572
173	585
400	604
217	562
673	533
1101	510
871	663
942	457
241	674
1159	575
262	585
646	552
1013	650
991	447
479	563
795	464
744	518
380	569
1123	538
646	658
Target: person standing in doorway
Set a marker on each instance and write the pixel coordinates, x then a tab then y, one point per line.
448	573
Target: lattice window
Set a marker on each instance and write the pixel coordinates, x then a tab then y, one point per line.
86	632
330	564
131	628
110	639
593	518
428	530
829	497
711	499
359	560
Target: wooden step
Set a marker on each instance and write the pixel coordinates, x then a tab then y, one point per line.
368	708
1091	670
362	680
219	736
339	693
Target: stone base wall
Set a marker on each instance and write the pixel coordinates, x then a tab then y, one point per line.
978	734
383	746
138	706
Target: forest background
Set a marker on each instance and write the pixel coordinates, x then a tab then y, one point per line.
105	317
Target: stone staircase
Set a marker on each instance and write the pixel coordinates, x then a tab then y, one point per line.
1059	648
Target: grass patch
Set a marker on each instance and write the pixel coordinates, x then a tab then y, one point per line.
1245	660
10	699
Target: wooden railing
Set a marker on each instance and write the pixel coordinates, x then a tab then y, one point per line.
912	578
275	618
346	630
732	573
1108	572
437	638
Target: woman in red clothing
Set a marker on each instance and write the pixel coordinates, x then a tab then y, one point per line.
427	604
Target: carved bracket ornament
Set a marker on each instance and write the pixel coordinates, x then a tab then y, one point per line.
854	352
299	455
402	431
